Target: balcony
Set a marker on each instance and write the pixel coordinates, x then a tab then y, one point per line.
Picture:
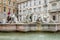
19	1
51	1
54	10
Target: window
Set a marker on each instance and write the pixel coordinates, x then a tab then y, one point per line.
45	1
34	9
54	5
17	11
13	3
29	10
54	17
24	11
9	1
4	9
45	8
26	4
34	2
20	10
22	5
39	9
20	17
34	18
39	2
30	3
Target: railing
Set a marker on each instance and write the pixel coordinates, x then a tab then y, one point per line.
54	10
58	9
51	1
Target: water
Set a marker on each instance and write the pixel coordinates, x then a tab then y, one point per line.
29	36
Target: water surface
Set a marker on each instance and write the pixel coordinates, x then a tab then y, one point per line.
29	36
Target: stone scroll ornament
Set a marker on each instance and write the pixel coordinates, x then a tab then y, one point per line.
14	18
44	18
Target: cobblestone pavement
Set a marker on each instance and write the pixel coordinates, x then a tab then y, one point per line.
30	36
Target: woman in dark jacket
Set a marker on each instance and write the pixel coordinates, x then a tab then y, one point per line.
8	19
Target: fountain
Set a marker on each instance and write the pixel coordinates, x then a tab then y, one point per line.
10	19
14	19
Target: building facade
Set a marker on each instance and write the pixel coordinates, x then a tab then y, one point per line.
54	10
7	6
35	7
40	8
